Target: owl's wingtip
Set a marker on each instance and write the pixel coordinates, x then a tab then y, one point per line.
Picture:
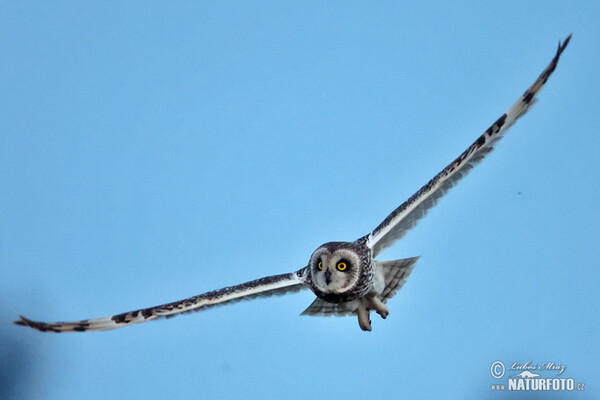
23	321
563	45
38	326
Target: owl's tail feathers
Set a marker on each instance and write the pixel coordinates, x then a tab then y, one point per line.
395	274
322	308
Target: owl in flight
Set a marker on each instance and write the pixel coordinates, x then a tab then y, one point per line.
345	276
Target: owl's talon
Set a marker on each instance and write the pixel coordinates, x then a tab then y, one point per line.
383	313
365	326
378	306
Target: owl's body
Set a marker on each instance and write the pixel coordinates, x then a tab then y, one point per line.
346	277
347	280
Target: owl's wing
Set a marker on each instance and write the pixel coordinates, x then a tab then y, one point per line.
411	211
264	287
322	308
395	273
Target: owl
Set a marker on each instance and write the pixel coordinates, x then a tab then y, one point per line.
346	277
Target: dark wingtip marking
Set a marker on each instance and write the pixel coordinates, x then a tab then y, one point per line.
529	94
565	43
528	97
40	326
26	322
561	47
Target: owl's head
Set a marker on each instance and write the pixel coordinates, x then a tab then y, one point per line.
336	267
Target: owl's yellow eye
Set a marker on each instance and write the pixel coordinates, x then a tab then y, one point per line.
320	265
342	266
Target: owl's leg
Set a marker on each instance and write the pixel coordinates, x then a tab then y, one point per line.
378	306
364	321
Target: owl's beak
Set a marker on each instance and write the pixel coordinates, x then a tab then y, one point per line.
328	277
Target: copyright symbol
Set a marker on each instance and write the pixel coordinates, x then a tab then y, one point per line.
497	369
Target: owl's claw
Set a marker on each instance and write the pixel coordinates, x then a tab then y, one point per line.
365	325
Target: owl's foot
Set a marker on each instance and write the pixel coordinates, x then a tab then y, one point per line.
364	321
378	306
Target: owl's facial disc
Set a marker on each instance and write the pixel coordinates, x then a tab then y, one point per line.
335	270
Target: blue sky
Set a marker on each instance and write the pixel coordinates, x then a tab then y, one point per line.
153	151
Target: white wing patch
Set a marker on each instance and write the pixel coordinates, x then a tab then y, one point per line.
264	287
410	212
